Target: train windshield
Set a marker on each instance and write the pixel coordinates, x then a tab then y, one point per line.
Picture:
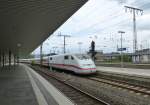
83	56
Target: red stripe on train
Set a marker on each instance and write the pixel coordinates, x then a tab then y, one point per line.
73	66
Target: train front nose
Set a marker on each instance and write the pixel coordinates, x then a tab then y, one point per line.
89	68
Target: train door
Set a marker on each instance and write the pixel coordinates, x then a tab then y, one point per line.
48	60
66	61
72	60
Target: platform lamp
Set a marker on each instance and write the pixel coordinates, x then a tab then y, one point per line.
121	32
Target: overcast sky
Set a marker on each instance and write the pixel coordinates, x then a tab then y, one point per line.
100	20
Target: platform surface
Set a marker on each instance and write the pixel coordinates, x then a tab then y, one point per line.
21	85
127	71
15	87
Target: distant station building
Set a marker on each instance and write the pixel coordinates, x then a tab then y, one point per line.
101	57
141	56
111	57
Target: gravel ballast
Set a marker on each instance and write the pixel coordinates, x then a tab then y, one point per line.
112	95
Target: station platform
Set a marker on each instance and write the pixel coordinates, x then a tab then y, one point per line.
126	71
21	85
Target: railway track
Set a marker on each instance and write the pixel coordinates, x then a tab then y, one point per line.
140	90
79	96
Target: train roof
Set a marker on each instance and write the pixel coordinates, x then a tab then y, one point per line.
74	54
67	54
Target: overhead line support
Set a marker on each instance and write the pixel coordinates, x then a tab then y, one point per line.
134	11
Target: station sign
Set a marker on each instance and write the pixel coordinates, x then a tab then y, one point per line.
121	49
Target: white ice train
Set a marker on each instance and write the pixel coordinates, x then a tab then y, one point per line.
77	63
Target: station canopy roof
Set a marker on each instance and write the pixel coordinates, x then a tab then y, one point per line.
25	24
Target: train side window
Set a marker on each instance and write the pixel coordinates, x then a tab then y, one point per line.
51	58
72	58
66	57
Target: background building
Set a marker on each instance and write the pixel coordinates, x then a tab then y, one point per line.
141	56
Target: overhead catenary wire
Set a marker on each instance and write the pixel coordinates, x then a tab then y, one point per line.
112	17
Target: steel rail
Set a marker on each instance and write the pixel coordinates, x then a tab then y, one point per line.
81	91
124	85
